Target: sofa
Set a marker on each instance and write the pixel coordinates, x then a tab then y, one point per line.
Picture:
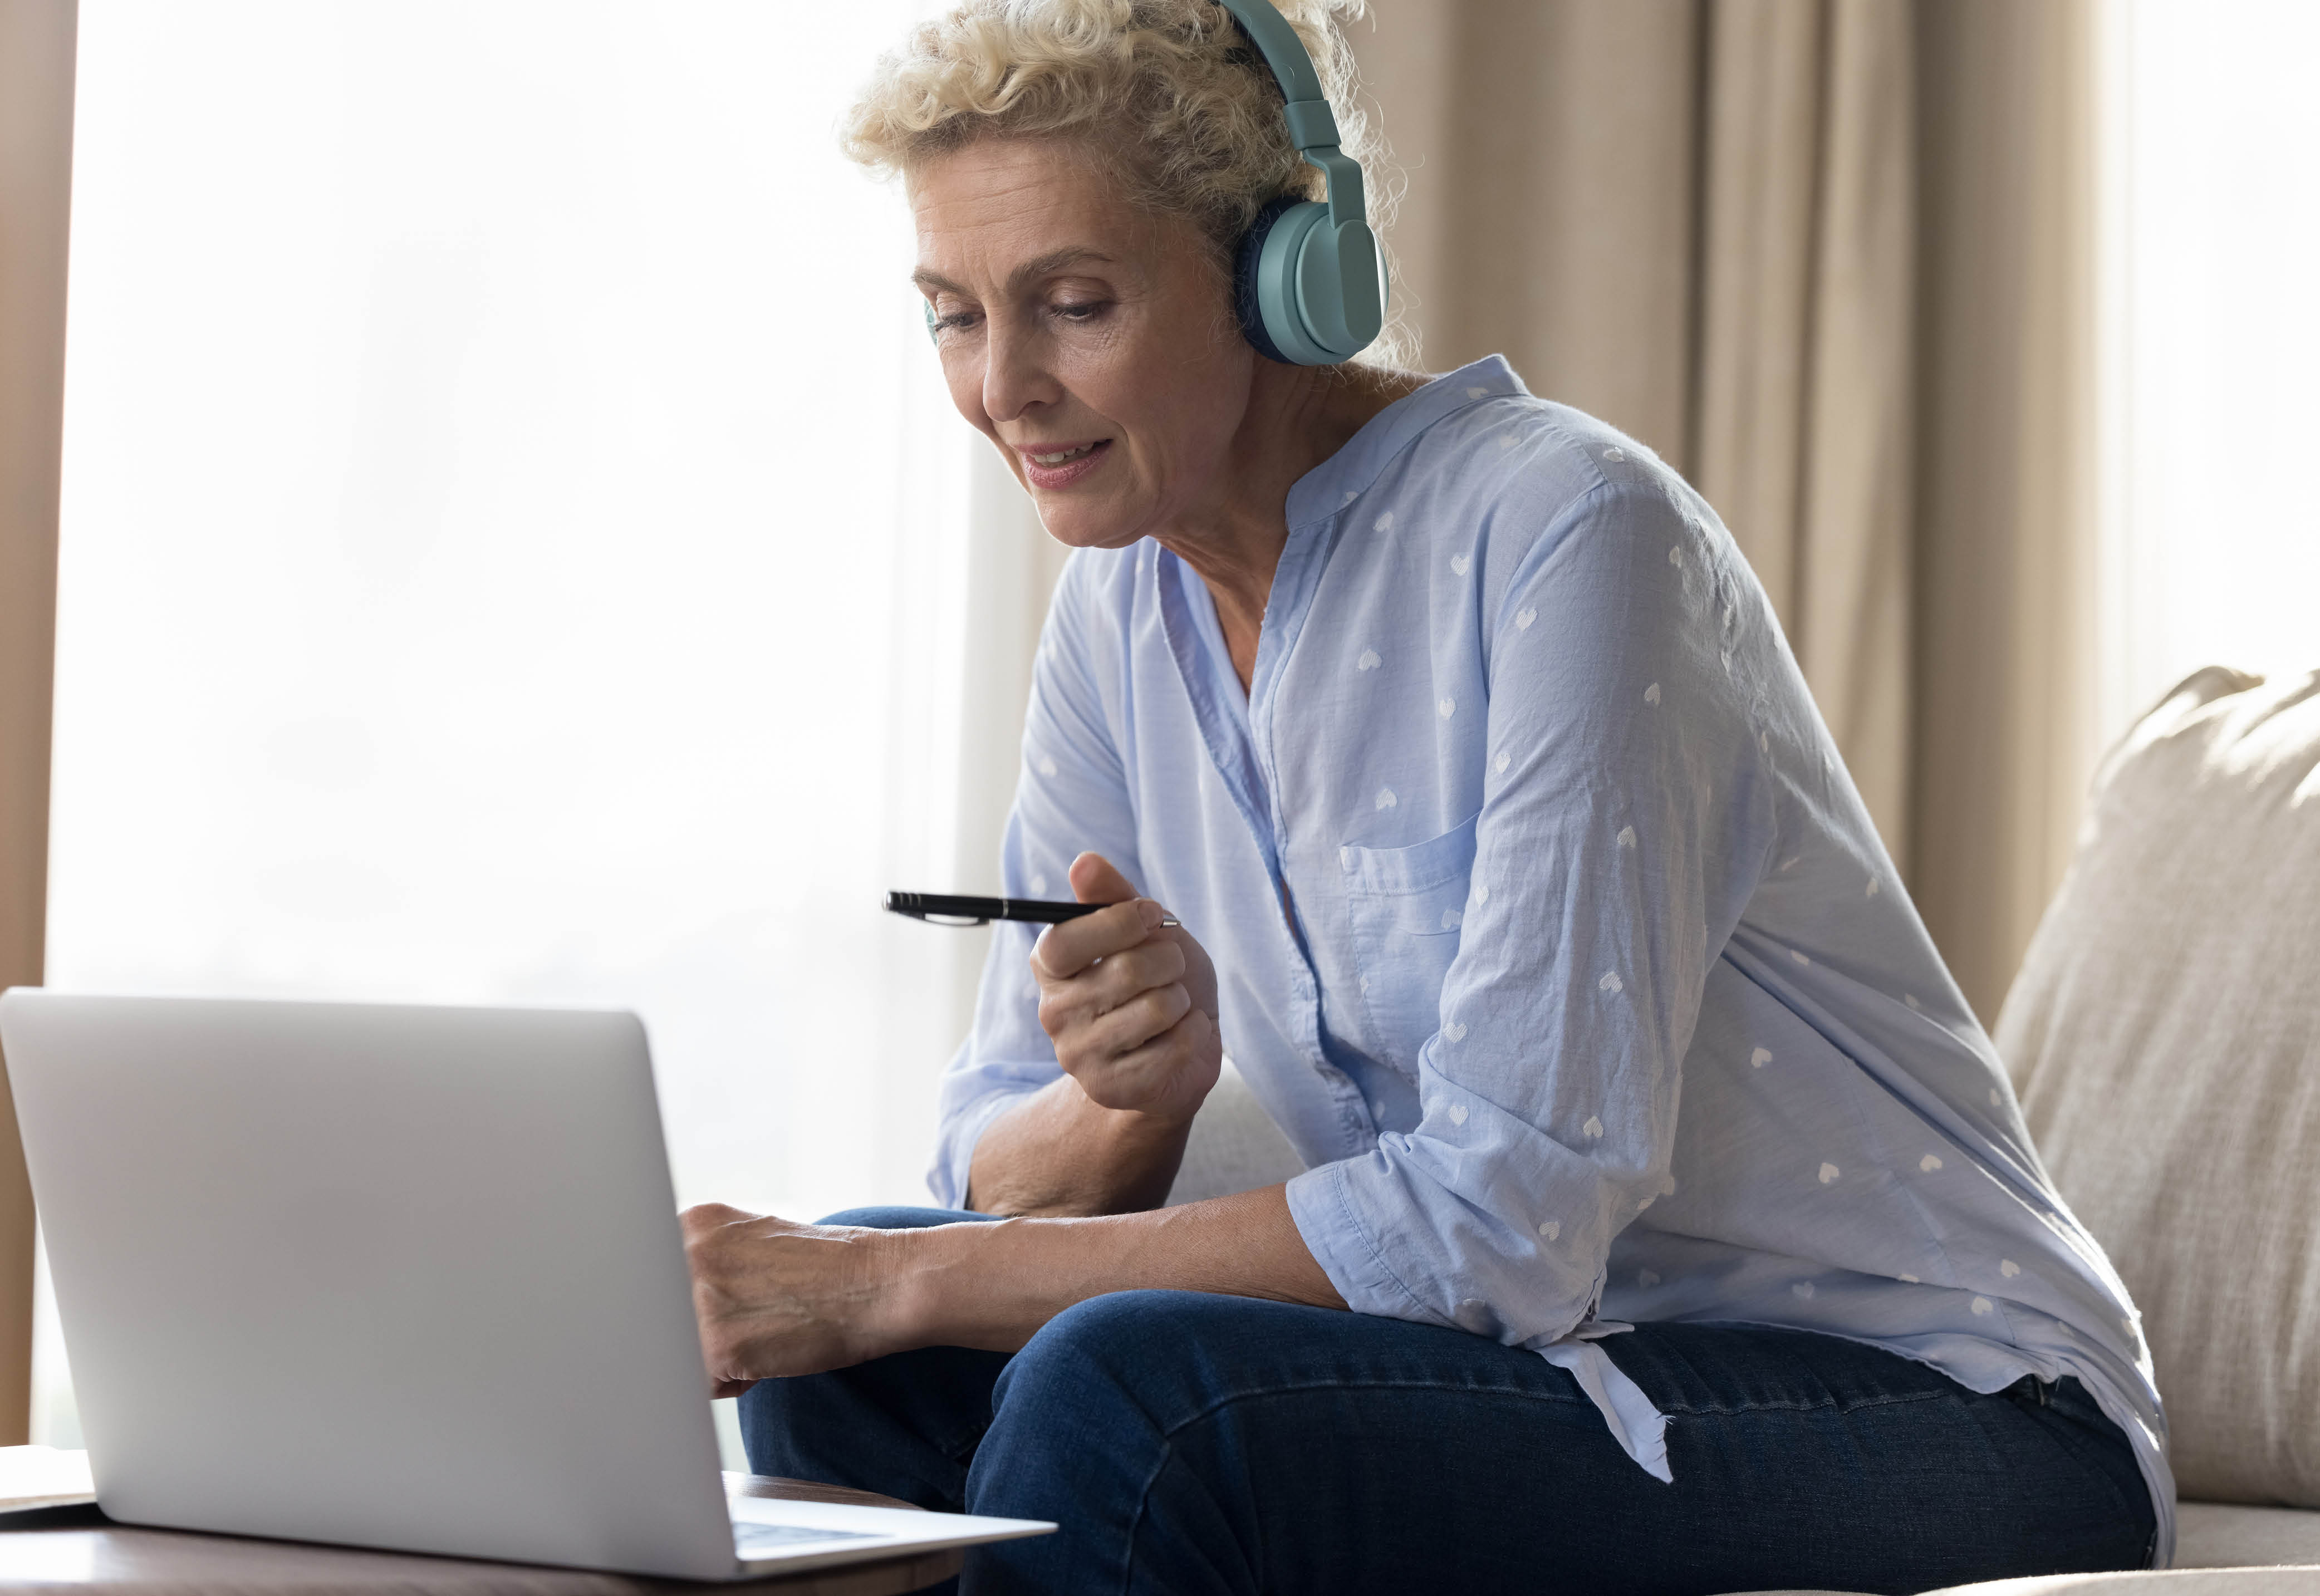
2163	1034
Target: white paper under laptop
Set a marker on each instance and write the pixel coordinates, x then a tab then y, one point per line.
391	1276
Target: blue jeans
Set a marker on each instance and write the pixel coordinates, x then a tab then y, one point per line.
1189	1443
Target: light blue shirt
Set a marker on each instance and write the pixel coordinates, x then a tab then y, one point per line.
1549	926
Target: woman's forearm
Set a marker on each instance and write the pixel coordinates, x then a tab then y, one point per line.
994	1285
1058	1153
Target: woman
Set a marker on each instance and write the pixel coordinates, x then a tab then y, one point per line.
1523	882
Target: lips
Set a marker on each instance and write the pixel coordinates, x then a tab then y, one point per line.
1048	467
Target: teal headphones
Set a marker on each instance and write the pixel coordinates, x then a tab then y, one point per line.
1308	283
1308	280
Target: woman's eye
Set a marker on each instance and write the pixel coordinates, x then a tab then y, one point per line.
956	320
1084	311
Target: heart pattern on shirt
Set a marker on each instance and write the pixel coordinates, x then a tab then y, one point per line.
1928	1164
1457	1113
1982	1305
1451	919
1646	1278
1446	707
1460	564
1828	1172
1804	1289
1477	393
1551	1228
1652	693
1384	523
1675	556
1873	888
1385	798
1799	957
1614	454
1760	1057
1611	982
1525	616
2008	1267
1627	837
1482	892
1046	765
1909	1279
1501	762
1994	1098
1594	1127
1369	660
1038	886
1910	998
1455	1031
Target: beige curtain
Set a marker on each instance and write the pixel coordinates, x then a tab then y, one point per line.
36	76
1830	258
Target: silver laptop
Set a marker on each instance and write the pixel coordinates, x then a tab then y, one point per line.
391	1276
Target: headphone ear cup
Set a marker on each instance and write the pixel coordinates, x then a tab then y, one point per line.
1247	303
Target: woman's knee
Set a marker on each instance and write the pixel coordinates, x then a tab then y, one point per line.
1133	1362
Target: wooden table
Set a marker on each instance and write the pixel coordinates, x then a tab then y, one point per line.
78	1550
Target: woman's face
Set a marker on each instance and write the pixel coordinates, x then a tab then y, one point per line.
1072	324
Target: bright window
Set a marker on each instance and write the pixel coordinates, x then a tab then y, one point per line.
2211	150
511	547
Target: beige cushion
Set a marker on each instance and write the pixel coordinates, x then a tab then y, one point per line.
2217	1535
2164	1032
2187	1581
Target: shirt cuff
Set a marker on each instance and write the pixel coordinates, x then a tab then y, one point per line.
1321	1203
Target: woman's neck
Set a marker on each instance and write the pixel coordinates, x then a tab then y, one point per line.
1298	416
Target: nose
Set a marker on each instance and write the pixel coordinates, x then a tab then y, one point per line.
1015	375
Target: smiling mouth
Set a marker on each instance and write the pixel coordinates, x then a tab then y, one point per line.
1065	456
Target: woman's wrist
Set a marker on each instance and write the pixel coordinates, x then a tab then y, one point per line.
929	1278
991	1284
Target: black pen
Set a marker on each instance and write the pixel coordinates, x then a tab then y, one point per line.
953	910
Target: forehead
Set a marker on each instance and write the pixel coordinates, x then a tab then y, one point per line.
981	210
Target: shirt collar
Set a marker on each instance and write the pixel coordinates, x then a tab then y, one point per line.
1337	481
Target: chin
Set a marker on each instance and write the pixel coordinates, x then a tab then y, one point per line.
1085	526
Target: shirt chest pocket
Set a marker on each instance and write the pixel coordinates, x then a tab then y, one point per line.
1403	906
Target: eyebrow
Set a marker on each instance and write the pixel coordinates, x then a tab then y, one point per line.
1047	265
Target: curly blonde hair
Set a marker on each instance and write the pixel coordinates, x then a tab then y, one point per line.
1169	94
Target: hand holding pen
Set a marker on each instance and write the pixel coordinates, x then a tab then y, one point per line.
1127	995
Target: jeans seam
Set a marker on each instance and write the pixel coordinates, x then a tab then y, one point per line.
1168	1432
1827	1405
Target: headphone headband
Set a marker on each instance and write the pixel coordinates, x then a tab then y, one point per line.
1312	125
1292	69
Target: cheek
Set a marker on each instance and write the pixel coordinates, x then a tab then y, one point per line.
1180	397
964	377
